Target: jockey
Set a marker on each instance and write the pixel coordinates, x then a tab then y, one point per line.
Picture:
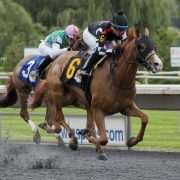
57	43
54	45
101	37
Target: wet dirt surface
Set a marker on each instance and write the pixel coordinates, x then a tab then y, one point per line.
50	162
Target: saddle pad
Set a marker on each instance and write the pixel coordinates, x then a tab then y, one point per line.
71	74
71	68
28	72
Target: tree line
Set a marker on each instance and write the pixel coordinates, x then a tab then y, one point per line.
25	22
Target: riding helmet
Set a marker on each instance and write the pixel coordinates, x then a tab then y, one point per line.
119	21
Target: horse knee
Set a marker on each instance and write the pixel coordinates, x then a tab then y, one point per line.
145	119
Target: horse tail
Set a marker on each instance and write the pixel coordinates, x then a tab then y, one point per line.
11	97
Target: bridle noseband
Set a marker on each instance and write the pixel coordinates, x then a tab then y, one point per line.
144	61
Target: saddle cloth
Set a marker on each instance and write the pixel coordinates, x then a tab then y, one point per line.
28	71
71	73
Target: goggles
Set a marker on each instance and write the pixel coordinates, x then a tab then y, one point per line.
119	27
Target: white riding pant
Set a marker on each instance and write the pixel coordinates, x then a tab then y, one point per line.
90	40
92	43
53	51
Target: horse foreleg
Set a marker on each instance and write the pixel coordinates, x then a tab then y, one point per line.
90	126
98	117
23	97
136	112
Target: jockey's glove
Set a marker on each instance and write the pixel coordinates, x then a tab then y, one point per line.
116	51
109	51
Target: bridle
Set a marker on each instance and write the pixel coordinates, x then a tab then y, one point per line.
142	57
144	61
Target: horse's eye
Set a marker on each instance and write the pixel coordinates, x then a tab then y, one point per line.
141	47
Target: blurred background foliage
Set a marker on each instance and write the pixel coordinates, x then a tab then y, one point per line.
24	22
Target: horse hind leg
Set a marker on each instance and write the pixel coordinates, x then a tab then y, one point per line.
23	97
47	126
136	112
51	125
55	117
73	143
38	94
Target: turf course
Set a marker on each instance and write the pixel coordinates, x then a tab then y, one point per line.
163	131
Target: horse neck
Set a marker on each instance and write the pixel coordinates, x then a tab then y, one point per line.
127	67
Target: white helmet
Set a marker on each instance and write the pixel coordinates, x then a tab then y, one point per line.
72	31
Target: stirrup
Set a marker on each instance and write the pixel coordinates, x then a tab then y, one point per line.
84	73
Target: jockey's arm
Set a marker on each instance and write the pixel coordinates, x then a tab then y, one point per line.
56	50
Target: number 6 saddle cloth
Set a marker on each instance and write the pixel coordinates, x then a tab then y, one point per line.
71	72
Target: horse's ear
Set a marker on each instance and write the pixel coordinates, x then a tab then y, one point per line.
138	29
146	32
132	34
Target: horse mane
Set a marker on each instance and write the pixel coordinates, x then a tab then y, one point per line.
132	34
80	45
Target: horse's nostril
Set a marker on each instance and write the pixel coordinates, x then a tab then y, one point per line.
156	64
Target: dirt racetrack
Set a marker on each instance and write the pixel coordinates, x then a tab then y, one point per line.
50	162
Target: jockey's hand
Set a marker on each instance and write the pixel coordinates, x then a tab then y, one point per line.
116	51
109	51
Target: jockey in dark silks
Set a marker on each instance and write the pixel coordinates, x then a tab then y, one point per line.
101	37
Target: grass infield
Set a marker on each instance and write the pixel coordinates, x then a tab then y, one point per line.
163	131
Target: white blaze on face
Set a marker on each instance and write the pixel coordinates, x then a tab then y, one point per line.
154	62
157	63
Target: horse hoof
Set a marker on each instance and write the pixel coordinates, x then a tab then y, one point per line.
42	125
102	156
131	142
57	131
60	141
83	132
37	138
73	145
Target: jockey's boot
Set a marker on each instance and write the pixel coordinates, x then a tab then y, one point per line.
38	94
90	62
42	67
86	70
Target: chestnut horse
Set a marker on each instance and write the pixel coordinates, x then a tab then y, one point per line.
20	90
112	90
